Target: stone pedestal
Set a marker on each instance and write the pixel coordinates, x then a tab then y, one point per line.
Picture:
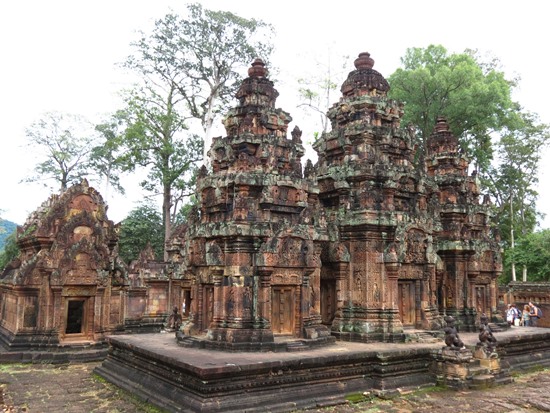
452	367
487	359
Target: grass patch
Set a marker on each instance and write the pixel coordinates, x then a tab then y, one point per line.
429	389
13	368
357	398
99	378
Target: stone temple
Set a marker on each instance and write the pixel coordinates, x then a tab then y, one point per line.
365	245
67	287
361	247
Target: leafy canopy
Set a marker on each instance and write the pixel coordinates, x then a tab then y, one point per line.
63	145
203	54
188	70
512	179
141	227
503	140
9	252
475	97
6	229
533	252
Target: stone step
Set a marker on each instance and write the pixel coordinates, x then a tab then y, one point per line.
296	346
420	336
477	371
496	328
482	381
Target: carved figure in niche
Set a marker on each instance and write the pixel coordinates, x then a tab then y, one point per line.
486	338
479	300
214	256
449	294
451	334
417	244
194	216
174	321
358	282
240	210
313	296
230	304
376	292
243	161
247	303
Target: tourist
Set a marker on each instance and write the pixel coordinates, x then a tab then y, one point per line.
535	313
512	314
526	317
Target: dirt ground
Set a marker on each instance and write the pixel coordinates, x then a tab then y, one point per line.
528	393
73	388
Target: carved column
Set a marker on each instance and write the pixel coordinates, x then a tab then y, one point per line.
58	311
264	298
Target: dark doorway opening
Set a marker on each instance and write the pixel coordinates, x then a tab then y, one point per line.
75	315
328	301
186	303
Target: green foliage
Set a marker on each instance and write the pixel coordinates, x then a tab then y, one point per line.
142	226
533	252
503	141
64	144
474	97
187	68
512	181
201	54
9	252
6	229
104	157
184	211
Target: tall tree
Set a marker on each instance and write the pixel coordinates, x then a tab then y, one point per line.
533	253
512	180
501	139
188	70
474	96
201	54
154	138
64	143
104	158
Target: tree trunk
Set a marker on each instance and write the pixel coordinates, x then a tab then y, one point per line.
512	238
208	121
166	204
207	143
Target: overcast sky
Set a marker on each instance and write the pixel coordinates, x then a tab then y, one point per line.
61	56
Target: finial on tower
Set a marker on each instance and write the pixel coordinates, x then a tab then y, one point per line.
364	61
258	69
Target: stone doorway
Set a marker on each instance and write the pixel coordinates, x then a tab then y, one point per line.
481	299
186	303
282	310
407	302
328	301
75	320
